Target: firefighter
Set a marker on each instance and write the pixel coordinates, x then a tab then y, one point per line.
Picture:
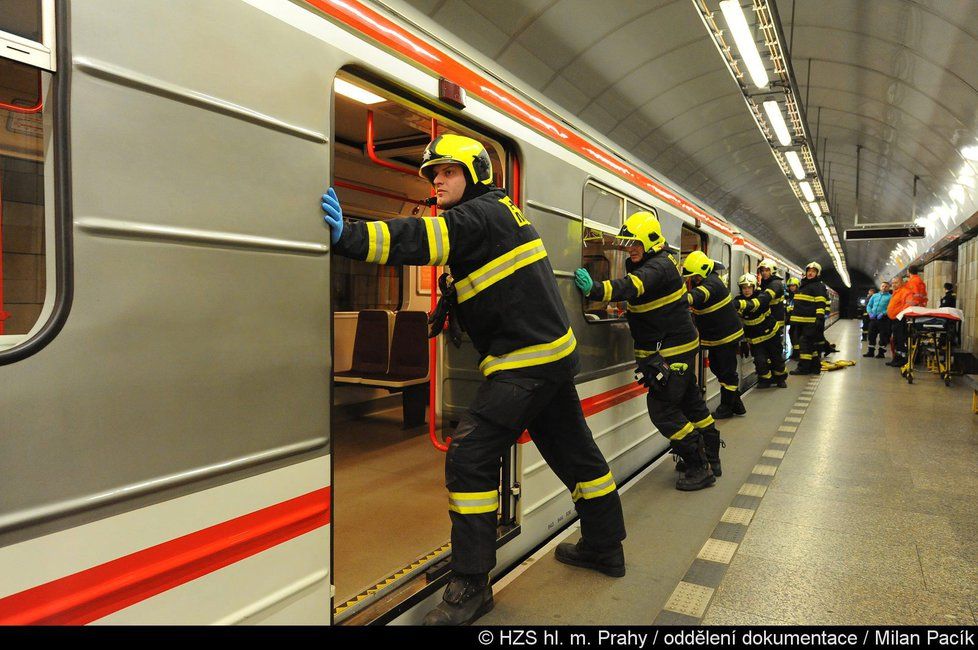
793	334
506	298
761	329
771	284
719	328
811	302
666	343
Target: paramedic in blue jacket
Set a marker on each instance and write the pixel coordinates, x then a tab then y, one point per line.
879	324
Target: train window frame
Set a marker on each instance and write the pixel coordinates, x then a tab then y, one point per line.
38	54
591	228
726	253
401	273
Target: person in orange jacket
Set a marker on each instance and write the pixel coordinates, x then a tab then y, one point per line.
898	302
917	289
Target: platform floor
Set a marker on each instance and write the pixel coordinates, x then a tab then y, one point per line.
847	499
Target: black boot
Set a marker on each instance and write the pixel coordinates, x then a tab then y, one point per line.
738	405
781	382
466	598
870	353
764	383
610	562
712	442
881	354
725	409
698	474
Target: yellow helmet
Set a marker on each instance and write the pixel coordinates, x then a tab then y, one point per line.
793	282
816	266
748	278
642	228
697	263
459	150
769	264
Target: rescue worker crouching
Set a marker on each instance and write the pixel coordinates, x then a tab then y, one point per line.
811	303
794	335
771	284
761	329
719	328
666	343
508	300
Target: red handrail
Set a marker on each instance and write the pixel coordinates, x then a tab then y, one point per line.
373	155
3	315
27	109
433	344
370	190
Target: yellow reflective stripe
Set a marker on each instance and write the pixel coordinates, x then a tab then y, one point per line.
437	230
659	302
820	311
705	422
766	375
473	503
378	242
637	281
802	319
712	308
780	373
682	433
607	291
641	354
679	349
727	339
706	292
806	298
758	320
499	268
805	356
534	355
765	337
594	489
729	386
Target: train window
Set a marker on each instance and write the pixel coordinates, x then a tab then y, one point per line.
725	259
603	214
23	267
27	32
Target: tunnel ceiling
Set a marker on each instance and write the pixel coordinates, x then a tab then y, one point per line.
896	77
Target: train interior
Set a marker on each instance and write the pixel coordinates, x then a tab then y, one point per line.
388	458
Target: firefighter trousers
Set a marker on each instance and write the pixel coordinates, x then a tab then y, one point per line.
679	411
723	365
505	405
811	342
769	359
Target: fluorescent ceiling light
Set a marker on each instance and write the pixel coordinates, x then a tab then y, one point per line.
776	119
815	208
806	189
356	93
744	39
795	163
970	152
820	220
957	193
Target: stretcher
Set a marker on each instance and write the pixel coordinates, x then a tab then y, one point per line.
931	332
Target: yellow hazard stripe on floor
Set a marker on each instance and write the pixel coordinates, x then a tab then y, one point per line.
388	581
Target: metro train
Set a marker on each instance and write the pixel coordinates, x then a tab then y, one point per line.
174	447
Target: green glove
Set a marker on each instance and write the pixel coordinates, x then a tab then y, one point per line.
583	281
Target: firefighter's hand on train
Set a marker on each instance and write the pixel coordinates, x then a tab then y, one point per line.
334	215
583	281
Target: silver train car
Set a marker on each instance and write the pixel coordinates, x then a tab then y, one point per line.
189	428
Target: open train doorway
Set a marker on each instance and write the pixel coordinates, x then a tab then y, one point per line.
694	240
391	528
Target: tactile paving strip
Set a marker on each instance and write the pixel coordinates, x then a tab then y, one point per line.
752	490
773	453
737	516
689	599
716	550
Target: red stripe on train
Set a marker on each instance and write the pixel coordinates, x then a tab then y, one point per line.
101	590
602	402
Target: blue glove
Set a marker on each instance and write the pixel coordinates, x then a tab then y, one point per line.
334	215
583	281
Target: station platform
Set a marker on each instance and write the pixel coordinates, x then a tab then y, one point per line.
848	498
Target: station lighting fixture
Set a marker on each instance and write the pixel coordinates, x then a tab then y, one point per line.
744	39
970	152
772	98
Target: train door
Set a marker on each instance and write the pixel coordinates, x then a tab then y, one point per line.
390	418
694	240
